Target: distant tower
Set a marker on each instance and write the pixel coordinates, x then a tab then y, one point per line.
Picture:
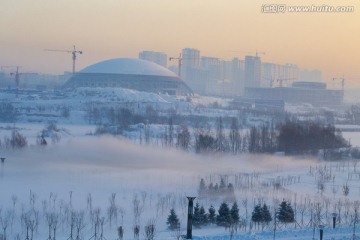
252	71
156	57
190	62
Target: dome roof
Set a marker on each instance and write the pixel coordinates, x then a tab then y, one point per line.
128	66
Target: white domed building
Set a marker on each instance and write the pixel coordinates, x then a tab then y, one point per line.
130	73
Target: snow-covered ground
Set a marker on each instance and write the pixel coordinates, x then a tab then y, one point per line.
161	179
83	169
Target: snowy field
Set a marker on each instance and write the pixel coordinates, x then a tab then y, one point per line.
88	174
82	173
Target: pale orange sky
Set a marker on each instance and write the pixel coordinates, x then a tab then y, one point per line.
121	28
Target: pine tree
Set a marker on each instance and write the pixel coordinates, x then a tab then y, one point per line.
285	213
196	216
173	220
223	218
202	188
203	216
212	215
222	186
230	195
266	214
257	215
234	213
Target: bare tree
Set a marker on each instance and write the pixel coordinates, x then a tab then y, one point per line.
31	222
220	142
5	220
122	213
120	232
79	223
136	231
112	209
234	136
137	208
89	203
52	219
150	230
170	132
183	137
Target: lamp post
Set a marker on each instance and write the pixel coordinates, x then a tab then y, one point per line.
334	215
2	159
190	216
321	227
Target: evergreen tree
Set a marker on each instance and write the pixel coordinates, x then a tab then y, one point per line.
266	214
223	218
222	186
257	215
216	188
203	216
234	212
173	220
202	188
212	215
196	216
230	195
285	213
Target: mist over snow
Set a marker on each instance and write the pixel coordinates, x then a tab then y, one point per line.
106	164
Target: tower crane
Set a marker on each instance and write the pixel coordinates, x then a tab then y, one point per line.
282	80
74	53
16	74
342	81
179	62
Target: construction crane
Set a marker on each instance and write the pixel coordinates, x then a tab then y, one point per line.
179	63
282	80
342	82
74	52
17	77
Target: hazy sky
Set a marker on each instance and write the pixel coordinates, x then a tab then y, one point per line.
121	28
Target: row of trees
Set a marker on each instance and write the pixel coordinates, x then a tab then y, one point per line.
222	190
17	140
227	217
291	137
8	113
222	135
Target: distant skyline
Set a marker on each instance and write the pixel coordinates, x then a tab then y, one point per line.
123	28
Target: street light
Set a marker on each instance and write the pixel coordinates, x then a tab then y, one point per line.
321	227
190	216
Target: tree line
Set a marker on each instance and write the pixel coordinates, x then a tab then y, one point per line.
228	217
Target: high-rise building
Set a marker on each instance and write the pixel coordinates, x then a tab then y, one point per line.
276	75
190	58
213	74
232	78
190	69
252	71
156	57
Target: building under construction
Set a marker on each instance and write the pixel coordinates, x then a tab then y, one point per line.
314	93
